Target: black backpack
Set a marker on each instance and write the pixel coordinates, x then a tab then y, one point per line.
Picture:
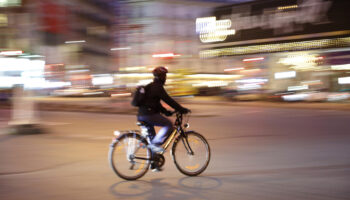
139	96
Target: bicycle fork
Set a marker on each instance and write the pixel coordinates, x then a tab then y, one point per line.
188	148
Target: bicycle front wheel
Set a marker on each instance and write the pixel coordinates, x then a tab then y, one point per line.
129	156
191	154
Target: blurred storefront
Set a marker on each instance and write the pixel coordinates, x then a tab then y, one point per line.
295	45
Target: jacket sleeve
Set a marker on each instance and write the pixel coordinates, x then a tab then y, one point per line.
170	101
162	109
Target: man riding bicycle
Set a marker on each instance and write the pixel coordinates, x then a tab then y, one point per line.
151	109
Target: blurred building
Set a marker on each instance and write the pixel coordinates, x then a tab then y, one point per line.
161	32
279	45
74	38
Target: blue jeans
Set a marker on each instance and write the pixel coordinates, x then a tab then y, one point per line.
157	120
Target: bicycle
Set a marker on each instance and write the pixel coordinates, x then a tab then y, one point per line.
130	158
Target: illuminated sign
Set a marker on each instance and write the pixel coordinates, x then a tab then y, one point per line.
283	19
212	30
309	11
270	48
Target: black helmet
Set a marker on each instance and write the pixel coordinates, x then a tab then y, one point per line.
159	71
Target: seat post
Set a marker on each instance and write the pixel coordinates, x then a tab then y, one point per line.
144	130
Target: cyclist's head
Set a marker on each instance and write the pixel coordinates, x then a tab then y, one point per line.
159	74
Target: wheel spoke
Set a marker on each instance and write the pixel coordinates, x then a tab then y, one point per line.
128	159
192	155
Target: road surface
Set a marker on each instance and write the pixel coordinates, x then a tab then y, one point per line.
257	153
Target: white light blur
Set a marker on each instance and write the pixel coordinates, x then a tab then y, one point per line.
253	80
92	93
295	97
253	59
220	76
132	75
283	75
341	67
211	84
233	69
30	83
120	48
297	88
338	96
21	64
144	82
116	133
103	80
165	55
11	53
121	95
249	86
75	41
344	80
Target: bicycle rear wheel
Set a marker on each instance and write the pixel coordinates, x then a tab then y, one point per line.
129	156
191	155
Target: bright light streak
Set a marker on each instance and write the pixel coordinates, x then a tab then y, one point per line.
314	82
32	56
21	64
283	75
338	96
253	59
287	7
218	76
121	95
344	80
341	67
104	80
249	71
233	69
134	75
92	93
120	48
165	55
75	41
297	88
253	80
211	84
295	97
249	86
11	53
144	82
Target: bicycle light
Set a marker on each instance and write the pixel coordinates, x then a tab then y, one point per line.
116	133
187	125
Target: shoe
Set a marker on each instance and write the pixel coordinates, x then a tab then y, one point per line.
157	169
155	148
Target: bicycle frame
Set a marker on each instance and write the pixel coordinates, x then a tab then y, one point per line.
178	130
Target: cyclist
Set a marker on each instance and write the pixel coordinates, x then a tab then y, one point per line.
151	109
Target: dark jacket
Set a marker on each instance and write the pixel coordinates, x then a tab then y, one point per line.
154	93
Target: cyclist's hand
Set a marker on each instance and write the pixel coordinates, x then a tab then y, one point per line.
168	113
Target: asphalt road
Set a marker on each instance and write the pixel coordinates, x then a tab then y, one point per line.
257	153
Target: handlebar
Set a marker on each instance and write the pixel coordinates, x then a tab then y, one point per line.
179	117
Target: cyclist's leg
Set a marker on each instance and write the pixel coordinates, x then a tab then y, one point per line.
165	131
159	120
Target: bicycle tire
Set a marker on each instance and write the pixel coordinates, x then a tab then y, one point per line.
114	156
190	170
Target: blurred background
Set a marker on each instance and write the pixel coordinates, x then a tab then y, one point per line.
280	50
267	81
